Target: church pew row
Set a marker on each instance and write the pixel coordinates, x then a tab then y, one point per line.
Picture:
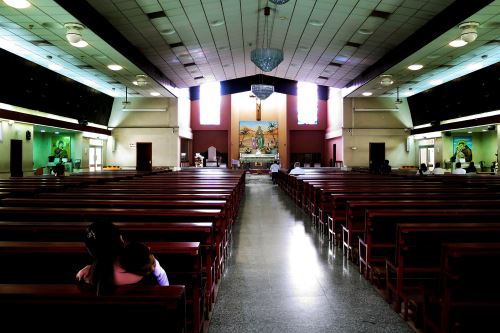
378	240
467	298
416	261
58	262
338	216
356	210
58	307
133	215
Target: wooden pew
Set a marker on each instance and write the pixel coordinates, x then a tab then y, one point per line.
59	307
417	257
378	240
58	262
468	296
356	210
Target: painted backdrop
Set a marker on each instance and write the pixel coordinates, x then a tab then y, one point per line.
462	149
259	136
61	146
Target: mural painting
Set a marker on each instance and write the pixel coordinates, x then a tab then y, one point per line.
258	137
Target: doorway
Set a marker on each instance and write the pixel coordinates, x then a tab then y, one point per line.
16	158
95	158
427	156
377	155
144	156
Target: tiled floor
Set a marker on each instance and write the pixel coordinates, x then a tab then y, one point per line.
280	277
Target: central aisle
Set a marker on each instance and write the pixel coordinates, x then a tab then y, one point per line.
280	277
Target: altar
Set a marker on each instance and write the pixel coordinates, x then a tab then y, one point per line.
257	161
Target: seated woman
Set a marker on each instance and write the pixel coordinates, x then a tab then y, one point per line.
471	168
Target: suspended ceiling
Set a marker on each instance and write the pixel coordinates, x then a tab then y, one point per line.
192	41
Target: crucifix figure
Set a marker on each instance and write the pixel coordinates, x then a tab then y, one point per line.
258	109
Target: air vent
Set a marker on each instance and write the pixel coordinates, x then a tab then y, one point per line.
85	67
411	82
133	93
41	42
335	64
176	45
190	64
381	14
322	78
199	78
156	15
445	66
351	44
112	82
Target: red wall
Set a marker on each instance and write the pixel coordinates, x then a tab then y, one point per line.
306	141
204	139
329	149
218	136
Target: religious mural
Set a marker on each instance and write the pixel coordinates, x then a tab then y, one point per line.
259	137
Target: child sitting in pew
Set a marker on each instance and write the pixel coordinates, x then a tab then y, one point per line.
105	244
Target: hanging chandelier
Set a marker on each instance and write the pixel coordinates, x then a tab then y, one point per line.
262	91
264	57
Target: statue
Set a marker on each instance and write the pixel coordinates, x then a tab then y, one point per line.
260	138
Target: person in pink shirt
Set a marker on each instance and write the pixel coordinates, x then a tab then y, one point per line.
105	244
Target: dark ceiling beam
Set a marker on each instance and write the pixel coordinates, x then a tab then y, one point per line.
93	20
450	17
38	120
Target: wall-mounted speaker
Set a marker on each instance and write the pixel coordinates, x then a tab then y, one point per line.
447	133
492	127
28	135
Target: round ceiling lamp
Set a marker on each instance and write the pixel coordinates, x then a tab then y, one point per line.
469	31
386	80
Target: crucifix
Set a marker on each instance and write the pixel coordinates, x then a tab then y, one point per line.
258	109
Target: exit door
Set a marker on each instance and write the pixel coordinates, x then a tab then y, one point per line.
144	156
377	155
95	158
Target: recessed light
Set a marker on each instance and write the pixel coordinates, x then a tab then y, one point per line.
56	132
81	43
484	130
43	131
415	67
55	67
316	23
457	43
469	132
283	18
115	67
154	93
367	93
135	83
436	82
167	32
20	4
217	23
365	31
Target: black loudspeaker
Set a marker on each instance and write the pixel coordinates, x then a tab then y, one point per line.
492	128
28	135
434	123
447	133
83	122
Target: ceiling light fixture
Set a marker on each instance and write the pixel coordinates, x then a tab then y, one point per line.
217	23
140	80
167	32
415	67
367	93
365	31
154	93
469	31
264	57
279	2
316	23
457	43
262	91
115	67
19	4
74	32
386	80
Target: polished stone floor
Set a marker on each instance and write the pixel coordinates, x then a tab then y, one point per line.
281	277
